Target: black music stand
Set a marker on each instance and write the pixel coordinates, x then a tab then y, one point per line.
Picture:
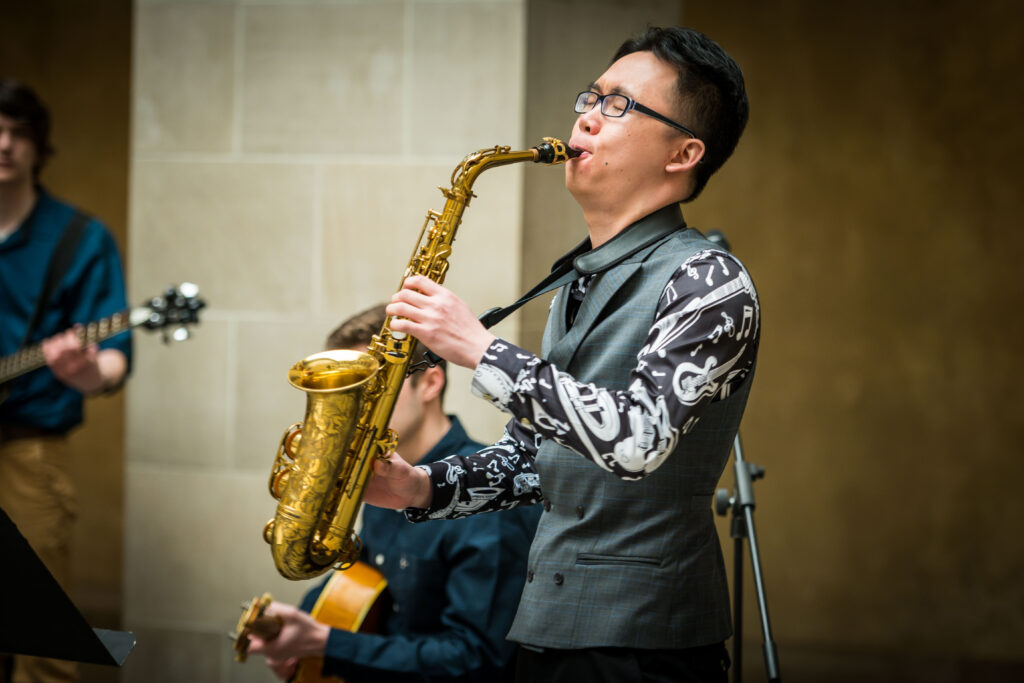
38	618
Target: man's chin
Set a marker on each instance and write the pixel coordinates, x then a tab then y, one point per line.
578	184
10	176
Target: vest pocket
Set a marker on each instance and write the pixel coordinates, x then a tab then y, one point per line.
595	559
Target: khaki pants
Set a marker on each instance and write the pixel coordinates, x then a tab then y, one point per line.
38	495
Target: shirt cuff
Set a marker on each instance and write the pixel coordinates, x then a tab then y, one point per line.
498	375
341	646
443	499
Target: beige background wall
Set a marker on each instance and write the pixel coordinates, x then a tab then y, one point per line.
874	197
284	157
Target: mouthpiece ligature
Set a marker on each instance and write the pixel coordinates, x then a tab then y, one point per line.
554	151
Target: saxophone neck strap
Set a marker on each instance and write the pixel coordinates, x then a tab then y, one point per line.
558	277
561	276
583	260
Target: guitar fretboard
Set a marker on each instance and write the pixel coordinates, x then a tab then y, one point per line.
31	357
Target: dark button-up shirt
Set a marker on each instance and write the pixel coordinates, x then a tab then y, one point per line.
455	588
91	289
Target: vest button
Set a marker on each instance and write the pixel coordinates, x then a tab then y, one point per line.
529	576
579	511
559	579
547	506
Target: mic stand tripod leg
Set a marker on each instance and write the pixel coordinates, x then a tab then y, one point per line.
742	526
738	532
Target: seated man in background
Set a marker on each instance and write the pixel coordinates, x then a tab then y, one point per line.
454	587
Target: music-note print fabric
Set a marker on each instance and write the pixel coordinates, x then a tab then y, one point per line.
701	347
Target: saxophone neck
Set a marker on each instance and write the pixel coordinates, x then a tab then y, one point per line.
550	151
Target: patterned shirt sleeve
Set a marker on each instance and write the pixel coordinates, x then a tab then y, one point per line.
701	346
498	477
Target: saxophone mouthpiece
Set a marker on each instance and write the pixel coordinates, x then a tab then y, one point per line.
554	151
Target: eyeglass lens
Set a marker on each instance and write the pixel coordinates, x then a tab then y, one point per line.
611	105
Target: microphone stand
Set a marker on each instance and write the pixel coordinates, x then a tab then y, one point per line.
742	526
742	505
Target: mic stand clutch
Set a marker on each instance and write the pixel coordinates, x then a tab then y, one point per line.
742	505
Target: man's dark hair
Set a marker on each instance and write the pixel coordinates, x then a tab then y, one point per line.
710	90
357	333
20	102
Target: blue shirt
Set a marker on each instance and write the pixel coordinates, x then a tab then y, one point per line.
455	587
92	288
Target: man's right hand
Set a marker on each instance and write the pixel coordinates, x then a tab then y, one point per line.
398	485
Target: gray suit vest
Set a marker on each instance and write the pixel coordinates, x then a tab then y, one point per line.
628	563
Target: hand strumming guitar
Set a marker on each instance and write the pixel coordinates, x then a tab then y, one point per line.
300	637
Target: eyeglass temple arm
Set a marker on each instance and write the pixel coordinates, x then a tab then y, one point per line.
664	119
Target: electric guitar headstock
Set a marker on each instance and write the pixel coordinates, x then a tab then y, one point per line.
177	308
171	313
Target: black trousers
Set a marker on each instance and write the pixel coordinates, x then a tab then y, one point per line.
706	664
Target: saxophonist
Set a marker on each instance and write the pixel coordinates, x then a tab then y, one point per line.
454	587
624	425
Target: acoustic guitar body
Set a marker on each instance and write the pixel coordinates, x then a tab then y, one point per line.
350	601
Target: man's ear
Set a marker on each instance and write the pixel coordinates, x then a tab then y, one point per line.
685	156
431	383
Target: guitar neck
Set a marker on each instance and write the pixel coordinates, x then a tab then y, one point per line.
31	357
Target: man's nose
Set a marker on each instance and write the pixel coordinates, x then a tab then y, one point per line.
590	121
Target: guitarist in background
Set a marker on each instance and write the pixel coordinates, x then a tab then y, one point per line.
40	408
454	586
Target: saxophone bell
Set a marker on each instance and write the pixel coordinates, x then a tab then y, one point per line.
310	461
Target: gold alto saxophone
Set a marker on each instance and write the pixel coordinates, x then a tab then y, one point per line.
323	465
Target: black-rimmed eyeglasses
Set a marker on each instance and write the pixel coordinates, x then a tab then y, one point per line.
616	106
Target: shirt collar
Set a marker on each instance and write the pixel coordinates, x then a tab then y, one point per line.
635	237
24	229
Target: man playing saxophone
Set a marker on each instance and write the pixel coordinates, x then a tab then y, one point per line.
624	425
453	587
